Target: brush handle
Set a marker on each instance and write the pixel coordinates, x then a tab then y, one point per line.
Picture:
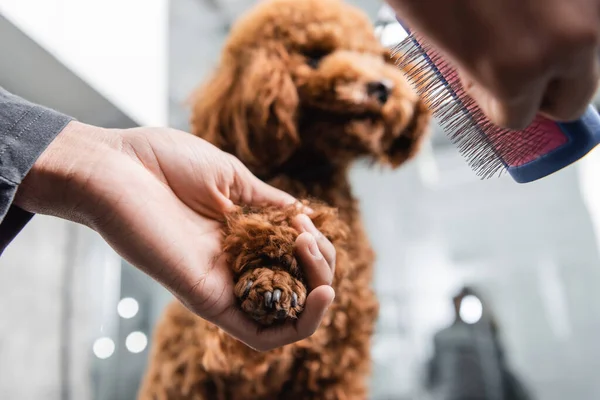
582	136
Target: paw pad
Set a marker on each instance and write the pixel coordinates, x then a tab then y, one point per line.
270	295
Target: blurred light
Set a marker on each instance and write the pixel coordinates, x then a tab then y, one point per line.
136	342
138	84
104	348
386	13
387	29
392	34
471	309
128	307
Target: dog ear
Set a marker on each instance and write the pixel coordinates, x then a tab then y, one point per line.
249	108
408	143
390	56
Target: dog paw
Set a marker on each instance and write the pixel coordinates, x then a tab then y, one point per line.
260	246
270	295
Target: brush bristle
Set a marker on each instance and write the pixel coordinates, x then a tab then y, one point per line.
488	149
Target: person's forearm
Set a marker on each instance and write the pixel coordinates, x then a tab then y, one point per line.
69	176
26	130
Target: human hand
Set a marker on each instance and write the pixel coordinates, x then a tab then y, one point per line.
158	197
516	58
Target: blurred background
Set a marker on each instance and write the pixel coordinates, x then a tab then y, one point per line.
76	321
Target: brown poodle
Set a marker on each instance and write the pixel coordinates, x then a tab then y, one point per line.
303	89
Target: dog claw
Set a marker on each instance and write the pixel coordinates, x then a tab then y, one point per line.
276	296
268	298
294	299
247	289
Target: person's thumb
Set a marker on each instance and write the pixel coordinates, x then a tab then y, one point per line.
317	304
263	194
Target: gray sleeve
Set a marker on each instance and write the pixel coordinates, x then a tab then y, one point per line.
26	130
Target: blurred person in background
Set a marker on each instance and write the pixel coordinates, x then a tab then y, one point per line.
468	362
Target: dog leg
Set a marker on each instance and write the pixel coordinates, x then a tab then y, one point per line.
184	347
269	285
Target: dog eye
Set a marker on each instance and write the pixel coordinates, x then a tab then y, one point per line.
314	62
313	58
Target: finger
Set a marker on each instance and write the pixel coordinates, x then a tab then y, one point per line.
304	224
315	266
238	325
567	99
515	113
317	303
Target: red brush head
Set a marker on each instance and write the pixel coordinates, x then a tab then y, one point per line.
488	148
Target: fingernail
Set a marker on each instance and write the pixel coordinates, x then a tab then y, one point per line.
332	298
303	208
314	249
308	226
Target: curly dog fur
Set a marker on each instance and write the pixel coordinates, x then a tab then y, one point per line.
303	89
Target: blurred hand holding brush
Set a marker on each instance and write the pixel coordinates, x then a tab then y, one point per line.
516	58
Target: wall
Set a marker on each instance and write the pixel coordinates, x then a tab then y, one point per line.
59	282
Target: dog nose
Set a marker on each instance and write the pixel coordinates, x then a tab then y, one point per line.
380	90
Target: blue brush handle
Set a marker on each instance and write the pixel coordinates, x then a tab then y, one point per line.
583	136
